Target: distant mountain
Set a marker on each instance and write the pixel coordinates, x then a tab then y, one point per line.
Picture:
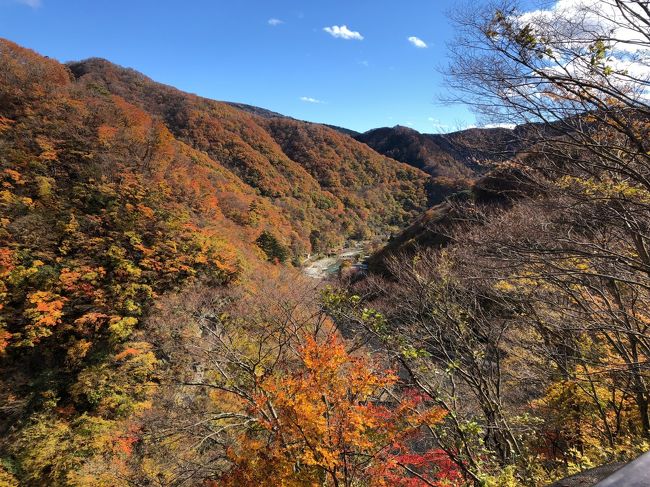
262	112
419	150
454	155
453	160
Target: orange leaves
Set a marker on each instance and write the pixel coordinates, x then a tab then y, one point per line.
127	352
5	123
123	443
106	134
45	313
5	336
94	319
6	261
82	280
15	176
323	417
146	211
48	149
136	119
47	308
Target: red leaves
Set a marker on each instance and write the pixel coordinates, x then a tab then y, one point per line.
404	468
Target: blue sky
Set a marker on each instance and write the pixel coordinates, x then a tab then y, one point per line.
228	50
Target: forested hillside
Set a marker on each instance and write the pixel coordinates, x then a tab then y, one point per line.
299	178
156	328
116	192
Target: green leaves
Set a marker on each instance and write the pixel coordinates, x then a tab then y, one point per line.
274	250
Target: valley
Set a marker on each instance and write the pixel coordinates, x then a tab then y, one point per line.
206	293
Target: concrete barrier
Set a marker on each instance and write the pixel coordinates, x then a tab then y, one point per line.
634	474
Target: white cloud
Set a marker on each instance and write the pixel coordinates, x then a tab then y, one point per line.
574	25
596	18
417	42
499	126
309	99
364	63
31	3
342	32
275	22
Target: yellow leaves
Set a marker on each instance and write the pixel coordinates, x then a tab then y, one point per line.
72	226
88	451
505	286
77	352
605	189
6	478
120	386
121	328
6	196
44	186
9	198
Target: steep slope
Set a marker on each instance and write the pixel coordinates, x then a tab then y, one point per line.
355	175
116	191
297	183
434	226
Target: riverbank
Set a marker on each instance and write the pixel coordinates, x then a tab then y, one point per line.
323	267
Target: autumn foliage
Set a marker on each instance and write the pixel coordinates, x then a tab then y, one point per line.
114	192
322	423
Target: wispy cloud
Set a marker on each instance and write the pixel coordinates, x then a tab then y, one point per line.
30	3
309	99
342	32
275	22
417	42
438	126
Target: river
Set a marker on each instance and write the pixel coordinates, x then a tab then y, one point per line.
323	267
